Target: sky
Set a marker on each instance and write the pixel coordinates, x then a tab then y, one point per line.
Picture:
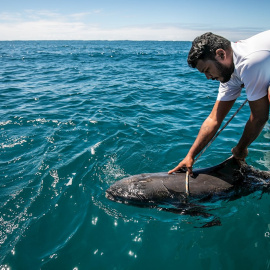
175	20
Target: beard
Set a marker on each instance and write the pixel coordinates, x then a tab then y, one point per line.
225	73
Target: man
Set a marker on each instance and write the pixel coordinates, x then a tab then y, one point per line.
236	65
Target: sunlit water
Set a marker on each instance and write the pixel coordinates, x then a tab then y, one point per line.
78	116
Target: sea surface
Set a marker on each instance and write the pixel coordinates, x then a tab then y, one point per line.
76	116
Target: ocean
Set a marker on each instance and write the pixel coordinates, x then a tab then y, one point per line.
76	116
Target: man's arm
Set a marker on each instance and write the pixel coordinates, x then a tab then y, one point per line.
258	117
206	133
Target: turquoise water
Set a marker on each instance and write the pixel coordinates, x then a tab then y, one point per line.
76	116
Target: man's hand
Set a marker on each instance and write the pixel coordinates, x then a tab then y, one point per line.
239	154
187	162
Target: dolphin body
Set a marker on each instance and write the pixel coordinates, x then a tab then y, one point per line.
229	180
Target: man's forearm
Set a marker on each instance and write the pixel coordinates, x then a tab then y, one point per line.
252	130
258	117
206	133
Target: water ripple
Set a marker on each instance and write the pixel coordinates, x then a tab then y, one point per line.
76	117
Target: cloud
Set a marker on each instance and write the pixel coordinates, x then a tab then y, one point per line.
41	13
10	17
79	16
41	30
51	25
61	30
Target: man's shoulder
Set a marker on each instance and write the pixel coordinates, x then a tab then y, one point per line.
253	45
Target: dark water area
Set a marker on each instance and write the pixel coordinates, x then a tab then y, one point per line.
76	116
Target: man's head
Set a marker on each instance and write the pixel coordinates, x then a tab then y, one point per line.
212	55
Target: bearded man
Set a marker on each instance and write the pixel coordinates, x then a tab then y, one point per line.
246	64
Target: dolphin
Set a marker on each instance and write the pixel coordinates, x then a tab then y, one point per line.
228	180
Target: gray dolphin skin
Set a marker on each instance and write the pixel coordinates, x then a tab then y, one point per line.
229	180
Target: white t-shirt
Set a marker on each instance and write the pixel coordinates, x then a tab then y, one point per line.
251	59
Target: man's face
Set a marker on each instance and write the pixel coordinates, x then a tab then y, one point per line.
215	70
